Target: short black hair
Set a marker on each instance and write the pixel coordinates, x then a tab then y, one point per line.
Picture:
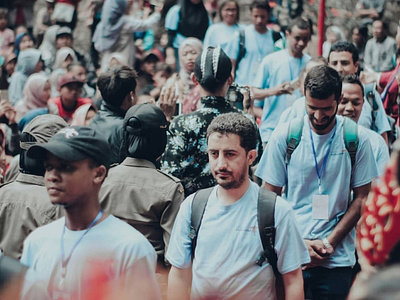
301	23
322	82
345	47
353	79
116	83
261	4
235	123
225	2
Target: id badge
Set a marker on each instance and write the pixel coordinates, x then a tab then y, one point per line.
320	207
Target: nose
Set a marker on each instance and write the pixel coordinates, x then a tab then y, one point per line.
52	175
349	107
318	114
221	163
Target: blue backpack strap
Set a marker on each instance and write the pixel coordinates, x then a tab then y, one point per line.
199	204
294	137
350	135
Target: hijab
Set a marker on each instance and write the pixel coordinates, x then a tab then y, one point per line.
62	55
48	46
79	117
193	19
33	95
18	40
112	21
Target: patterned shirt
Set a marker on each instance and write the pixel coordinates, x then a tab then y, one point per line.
186	156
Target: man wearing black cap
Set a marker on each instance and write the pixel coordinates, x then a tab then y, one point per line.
136	191
66	254
24	202
117	86
186	154
70	88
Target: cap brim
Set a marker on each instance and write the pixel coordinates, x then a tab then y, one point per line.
61	150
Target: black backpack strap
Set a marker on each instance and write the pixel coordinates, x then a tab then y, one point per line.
266	226
242	48
198	207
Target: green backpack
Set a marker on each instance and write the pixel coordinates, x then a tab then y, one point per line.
350	137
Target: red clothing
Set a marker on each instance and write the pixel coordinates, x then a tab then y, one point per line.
72	2
55	106
390	102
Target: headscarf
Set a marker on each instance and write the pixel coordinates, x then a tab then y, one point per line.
27	61
18	40
33	94
79	117
112	21
48	46
197	45
193	20
62	55
119	57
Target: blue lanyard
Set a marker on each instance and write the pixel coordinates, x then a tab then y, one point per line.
64	262
325	158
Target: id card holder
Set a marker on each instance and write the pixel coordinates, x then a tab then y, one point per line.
320	207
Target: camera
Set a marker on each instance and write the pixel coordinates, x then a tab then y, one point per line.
235	96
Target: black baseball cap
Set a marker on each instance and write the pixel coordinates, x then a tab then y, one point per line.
75	143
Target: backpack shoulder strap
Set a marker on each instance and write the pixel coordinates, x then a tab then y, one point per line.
369	92
350	135
266	226
294	137
242	48
199	203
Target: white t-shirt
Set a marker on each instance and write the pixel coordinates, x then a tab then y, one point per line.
112	246
301	181
228	245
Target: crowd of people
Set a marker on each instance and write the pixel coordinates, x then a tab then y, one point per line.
188	155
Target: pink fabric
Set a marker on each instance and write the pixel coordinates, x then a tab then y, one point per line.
6	38
33	94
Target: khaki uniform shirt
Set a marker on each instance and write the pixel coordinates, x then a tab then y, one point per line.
145	198
24	206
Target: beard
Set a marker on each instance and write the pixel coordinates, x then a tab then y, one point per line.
321	127
231	182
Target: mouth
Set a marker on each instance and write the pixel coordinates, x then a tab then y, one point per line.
54	190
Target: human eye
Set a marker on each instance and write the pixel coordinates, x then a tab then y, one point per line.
48	167
213	153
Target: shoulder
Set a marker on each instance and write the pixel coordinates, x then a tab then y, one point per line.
174	10
169	177
46	231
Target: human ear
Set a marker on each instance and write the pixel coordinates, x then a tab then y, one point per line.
100	174
251	156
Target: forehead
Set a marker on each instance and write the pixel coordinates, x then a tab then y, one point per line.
258	11
319	103
296	31
223	141
341	56
352	89
229	5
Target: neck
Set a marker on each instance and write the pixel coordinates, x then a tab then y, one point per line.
80	218
69	107
296	55
261	30
205	93
230	196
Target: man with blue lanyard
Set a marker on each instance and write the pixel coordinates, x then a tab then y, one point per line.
67	256
318	179
277	77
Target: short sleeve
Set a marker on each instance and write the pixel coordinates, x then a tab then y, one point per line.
172	18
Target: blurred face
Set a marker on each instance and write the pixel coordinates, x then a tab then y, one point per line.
69	94
229	162
3	23
229	13
343	63
160	78
46	92
356	36
297	40
259	18
188	58
321	113
26	43
10	67
66	62
149	67
39	66
378	31
352	101
64	40
79	72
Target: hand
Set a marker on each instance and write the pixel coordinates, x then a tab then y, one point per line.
159	7
283	88
248	100
318	253
368	76
7	111
167	101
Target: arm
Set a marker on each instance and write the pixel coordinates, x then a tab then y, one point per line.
293	284
142	25
273	188
350	218
179	283
277	90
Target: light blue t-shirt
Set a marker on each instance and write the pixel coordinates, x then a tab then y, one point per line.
301	181
172	22
220	34
257	46
228	245
277	68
